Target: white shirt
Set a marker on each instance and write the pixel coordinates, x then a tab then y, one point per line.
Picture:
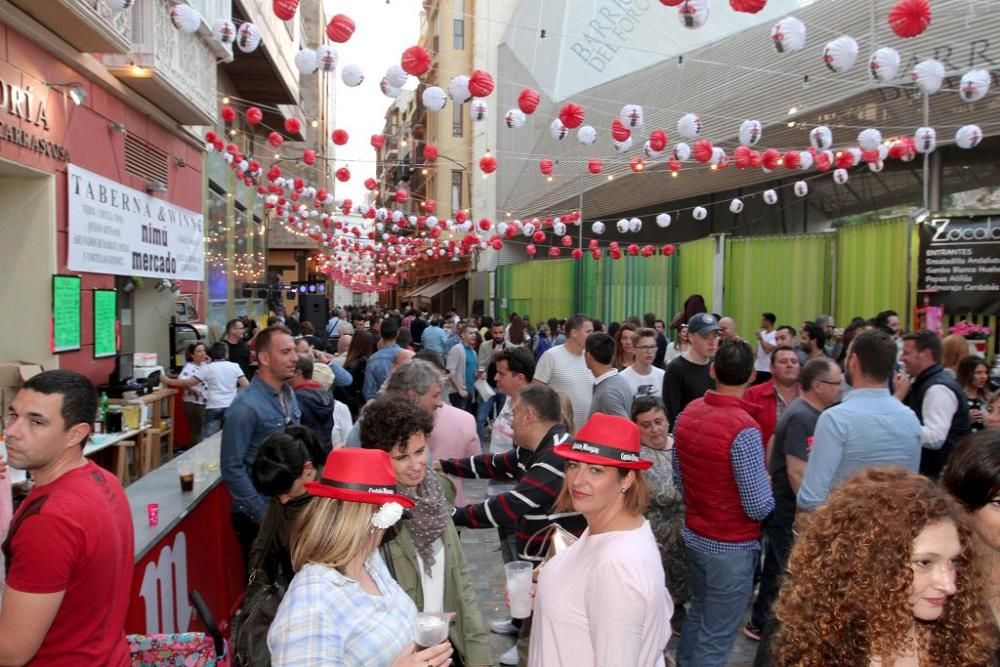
763	361
940	406
645	385
195	394
502	439
222	380
567	373
342	423
432	585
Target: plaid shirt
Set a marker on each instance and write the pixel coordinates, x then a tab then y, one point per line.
326	618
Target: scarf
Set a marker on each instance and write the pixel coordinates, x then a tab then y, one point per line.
428	517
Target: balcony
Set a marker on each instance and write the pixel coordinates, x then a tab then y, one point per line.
88	25
174	70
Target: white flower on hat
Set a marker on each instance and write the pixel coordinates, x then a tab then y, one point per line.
387	516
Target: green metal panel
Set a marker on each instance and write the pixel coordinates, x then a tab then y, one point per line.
697	273
871	270
790	276
540	289
613	290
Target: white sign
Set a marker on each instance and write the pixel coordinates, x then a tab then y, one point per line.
115	229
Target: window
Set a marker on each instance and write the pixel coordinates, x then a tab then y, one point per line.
459	34
457	114
456	191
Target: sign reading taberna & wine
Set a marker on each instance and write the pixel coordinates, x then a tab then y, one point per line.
121	231
960	263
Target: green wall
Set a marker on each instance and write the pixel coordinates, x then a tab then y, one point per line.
871	269
697	273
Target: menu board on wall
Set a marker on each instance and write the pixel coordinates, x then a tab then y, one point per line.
960	261
65	313
105	323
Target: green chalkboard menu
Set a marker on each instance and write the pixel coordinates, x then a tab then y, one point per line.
105	323
65	313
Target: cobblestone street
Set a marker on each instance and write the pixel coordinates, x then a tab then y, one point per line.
482	550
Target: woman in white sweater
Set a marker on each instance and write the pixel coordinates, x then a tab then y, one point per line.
603	601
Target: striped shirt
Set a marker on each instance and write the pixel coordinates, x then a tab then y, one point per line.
529	505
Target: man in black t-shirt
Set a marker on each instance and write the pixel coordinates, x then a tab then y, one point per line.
687	376
239	351
820	381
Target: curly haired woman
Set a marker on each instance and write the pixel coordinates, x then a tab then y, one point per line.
885	575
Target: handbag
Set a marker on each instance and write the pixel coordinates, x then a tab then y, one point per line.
556	537
252	623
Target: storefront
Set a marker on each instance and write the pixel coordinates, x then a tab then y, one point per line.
92	187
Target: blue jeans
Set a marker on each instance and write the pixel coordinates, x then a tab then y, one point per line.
721	585
214	420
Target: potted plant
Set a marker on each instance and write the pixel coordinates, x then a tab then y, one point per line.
974	333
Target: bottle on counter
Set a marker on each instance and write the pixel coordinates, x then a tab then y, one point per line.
131	411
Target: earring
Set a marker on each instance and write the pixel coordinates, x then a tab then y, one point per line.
624	489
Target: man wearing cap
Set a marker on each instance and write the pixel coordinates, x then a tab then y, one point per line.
688	376
719	469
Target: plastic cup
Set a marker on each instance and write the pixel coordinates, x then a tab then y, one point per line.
200	468
185	470
153	514
518	574
430	629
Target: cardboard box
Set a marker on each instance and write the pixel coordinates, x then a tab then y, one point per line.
13	374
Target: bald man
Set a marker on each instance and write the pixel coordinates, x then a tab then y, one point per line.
727	329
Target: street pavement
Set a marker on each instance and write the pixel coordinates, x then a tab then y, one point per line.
482	552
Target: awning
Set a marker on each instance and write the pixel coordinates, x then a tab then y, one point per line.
431	290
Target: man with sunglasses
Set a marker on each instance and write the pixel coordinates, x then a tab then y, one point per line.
687	377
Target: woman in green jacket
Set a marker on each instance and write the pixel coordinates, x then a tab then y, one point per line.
423	551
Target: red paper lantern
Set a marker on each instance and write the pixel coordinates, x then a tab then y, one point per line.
637	164
293	125
285	9
488	164
671	3
480	83
377	141
741	157
554	251
545	166
528	100
844	160
346	207
633	249
747	6
530	249
461	216
340	28
343	174
667	250
793	159
370	183
497	244
485	224
254	115
415	60
871	156
595	166
769	158
571	115
566	241
909	18
299	184
657	140
340	137
539	236
309	156
211	137
821	159
577	253
702	150
275	139
618	130
430	152
401	196
595	253
430	206
228	114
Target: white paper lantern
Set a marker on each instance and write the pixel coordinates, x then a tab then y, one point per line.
663	220
788	34
649	152
689	126
883	152
389	90
805	160
397	216
559	228
480	110
248	37
514	118
118	6
305	61
840	176
352	76
840	54
434	98
224	31
458	88
396	76
928	75
586	135
870	139
326	58
856	154
968	136
694	13
502	228
876	166
381	213
634	225
622	146
557	130
597	228
431	221
699	213
736	206
821	137
884	64
801	188
682	151
750	132
925	140
770	197
622	225
974	85
528	229
185	18
631	115
719	157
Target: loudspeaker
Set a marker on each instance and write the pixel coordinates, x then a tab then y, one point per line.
315	309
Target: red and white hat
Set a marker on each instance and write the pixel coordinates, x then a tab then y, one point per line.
359	476
606	440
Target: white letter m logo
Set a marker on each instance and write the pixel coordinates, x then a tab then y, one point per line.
165	590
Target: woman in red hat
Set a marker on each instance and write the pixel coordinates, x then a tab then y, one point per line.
343	607
603	601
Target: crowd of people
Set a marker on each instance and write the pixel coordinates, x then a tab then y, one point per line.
833	494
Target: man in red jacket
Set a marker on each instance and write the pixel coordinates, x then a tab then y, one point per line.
719	468
773	396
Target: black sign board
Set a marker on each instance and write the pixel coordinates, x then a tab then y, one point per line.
960	258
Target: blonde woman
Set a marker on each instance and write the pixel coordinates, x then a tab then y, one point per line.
954	348
343	607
